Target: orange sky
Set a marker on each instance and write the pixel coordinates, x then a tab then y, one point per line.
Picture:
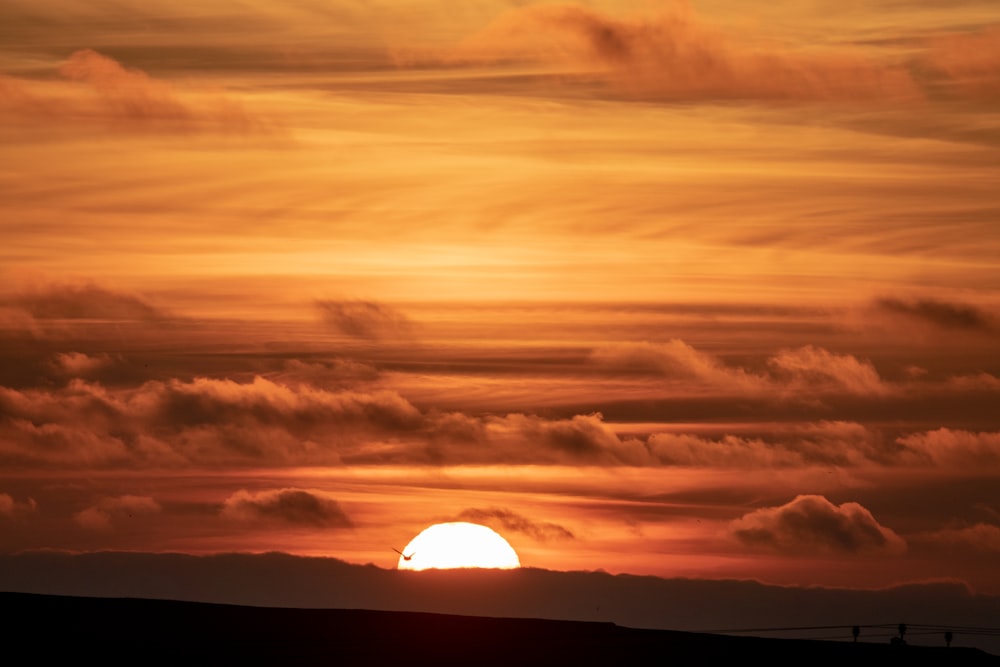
677	289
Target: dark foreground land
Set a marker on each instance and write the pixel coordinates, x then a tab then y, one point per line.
42	628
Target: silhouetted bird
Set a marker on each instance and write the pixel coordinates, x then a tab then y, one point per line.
405	557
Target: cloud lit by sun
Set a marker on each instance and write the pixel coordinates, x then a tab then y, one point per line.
701	288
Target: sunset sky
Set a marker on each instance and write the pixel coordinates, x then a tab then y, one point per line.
705	289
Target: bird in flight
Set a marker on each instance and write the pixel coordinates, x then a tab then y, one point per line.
405	557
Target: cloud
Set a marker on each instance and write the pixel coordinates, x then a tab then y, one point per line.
952	448
78	364
203	421
16	508
366	320
674	359
673	55
36	430
981	536
965	64
324	372
581	435
941	314
97	88
127	92
685	449
812	368
233	36
220	421
292	506
86	300
102	515
520	438
822	443
16	95
807	370
978	382
206	401
210	421
505	520
814	524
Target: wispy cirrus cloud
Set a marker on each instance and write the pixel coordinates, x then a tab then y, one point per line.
672	54
965	64
95	88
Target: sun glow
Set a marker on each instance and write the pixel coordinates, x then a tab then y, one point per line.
458	544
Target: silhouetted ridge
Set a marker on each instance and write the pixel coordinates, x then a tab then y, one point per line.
140	631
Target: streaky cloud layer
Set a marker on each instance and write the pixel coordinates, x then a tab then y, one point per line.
689	289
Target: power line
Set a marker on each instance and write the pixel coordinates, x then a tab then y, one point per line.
892	628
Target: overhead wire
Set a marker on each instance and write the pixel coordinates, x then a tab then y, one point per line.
883	631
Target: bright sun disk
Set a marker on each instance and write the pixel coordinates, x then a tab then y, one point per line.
458	544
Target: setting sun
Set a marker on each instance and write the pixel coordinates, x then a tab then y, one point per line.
705	291
458	544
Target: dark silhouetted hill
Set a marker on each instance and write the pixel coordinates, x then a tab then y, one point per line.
45	629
